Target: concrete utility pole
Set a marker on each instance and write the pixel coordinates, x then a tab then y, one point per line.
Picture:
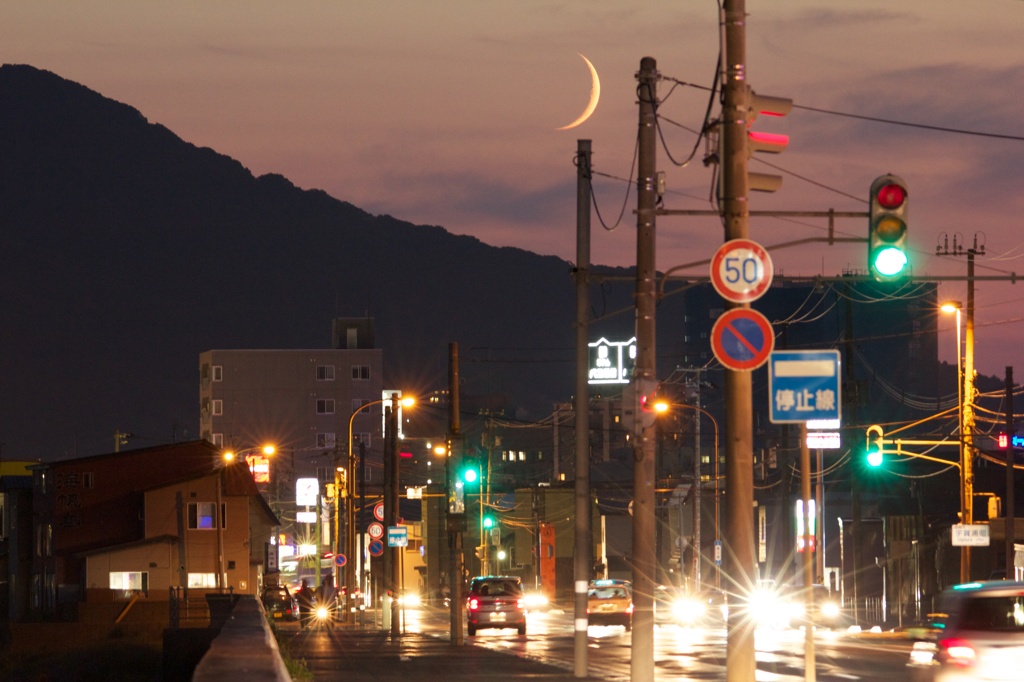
582	560
393	567
645	383
739	557
1008	506
456	520
810	670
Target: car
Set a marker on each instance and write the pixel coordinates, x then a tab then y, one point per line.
610	602
707	608
280	603
978	635
495	602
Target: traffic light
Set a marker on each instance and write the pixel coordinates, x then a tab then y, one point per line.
770	143
887	229
873	449
469	471
488	522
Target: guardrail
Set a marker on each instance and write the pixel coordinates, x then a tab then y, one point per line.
244	649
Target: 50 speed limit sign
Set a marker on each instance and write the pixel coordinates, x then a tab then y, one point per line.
741	271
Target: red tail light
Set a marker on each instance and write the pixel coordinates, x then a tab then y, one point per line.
519	604
957	652
630	609
474	603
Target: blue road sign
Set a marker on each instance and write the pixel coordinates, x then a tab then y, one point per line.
376	548
803	385
398	536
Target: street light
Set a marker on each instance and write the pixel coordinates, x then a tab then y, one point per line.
661	407
350	492
229	457
965	465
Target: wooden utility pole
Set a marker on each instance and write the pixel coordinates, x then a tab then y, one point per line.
1008	506
739	556
456	517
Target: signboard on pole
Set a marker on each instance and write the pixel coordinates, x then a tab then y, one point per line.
742	339
741	271
803	385
398	536
970	535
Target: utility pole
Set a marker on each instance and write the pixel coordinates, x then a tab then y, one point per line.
1008	507
582	545
456	517
739	421
645	382
967	427
393	568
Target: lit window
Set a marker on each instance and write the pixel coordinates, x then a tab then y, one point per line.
207	580
201	515
129	580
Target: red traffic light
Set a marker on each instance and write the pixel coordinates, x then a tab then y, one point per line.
891	196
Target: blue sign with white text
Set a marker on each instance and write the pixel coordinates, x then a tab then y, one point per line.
803	385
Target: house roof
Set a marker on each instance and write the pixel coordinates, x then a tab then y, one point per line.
155	540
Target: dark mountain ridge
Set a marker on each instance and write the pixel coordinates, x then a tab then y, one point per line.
128	251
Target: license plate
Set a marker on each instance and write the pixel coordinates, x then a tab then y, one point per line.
278	615
497	617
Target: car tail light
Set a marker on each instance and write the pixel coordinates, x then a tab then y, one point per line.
474	603
629	609
520	604
957	652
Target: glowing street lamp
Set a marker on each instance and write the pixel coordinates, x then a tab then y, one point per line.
965	464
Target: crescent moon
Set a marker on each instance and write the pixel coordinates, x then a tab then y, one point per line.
595	95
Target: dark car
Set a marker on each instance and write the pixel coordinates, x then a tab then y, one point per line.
280	603
495	602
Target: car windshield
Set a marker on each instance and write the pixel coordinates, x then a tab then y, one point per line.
495	588
996	614
608	593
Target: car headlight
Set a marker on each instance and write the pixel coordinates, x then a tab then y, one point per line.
688	610
830	609
535	600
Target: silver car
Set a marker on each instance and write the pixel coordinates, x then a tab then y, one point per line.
979	635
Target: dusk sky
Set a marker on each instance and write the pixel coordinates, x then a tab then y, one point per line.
446	113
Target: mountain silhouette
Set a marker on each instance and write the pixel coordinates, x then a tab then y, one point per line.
128	251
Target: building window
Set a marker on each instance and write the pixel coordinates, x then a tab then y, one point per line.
218	408
218	373
201	515
325	440
202	580
87	479
325	373
129	580
358	403
362	437
217	439
360	372
325	406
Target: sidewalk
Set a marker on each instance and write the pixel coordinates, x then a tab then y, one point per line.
361	655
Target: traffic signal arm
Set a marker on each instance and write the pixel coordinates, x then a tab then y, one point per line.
876	442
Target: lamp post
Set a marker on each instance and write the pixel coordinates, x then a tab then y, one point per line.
662	407
350	496
965	469
229	457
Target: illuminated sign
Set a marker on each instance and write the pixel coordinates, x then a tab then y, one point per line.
305	517
259	465
306	490
812	517
611	362
824	440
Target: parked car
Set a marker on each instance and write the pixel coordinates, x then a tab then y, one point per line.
280	603
978	635
495	602
610	602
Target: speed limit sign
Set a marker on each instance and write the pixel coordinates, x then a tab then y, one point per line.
741	271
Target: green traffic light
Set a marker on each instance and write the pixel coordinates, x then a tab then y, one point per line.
890	261
469	475
875	458
488	522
